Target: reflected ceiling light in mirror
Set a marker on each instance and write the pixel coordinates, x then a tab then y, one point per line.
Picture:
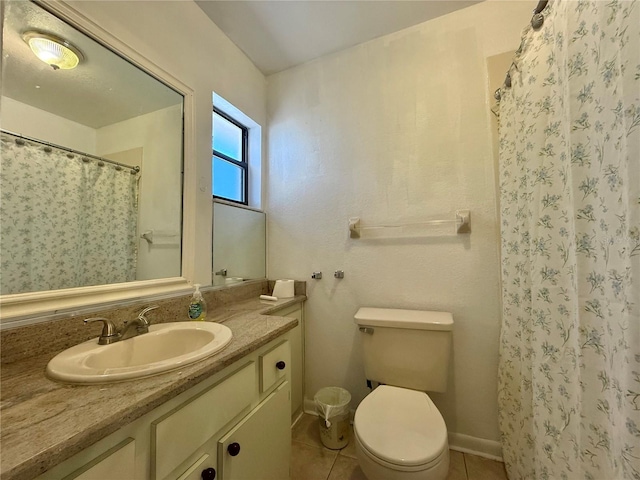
52	50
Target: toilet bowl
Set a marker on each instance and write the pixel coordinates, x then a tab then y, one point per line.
400	435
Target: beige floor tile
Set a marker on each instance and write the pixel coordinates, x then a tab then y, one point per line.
480	468
350	449
346	468
457	469
309	462
306	431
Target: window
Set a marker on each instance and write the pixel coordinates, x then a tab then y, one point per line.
230	167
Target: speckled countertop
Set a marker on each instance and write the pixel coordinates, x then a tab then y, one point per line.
44	422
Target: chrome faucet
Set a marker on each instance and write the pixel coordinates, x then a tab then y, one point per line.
141	324
110	333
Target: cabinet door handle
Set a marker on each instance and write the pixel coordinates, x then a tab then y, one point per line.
233	449
281	365
208	474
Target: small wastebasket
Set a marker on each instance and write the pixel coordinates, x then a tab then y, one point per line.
333	416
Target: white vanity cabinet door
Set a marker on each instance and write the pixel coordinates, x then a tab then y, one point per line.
296	339
264	440
117	462
195	471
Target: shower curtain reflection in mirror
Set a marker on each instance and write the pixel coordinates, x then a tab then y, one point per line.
67	220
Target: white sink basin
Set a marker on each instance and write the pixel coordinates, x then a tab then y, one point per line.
166	347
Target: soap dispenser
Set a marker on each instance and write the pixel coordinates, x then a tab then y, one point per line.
197	307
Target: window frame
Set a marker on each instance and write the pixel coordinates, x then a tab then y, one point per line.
243	164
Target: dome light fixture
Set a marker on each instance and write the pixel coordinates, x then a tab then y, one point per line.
52	50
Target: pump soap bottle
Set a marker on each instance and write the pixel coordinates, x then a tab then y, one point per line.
197	307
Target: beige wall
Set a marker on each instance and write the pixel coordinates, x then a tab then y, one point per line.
158	135
397	129
23	119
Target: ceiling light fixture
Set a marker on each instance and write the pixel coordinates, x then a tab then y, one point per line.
52	50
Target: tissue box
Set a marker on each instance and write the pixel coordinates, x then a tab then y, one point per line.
283	289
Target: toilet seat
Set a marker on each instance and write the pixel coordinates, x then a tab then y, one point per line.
442	458
401	427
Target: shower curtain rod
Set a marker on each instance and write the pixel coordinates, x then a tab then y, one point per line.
136	169
536	23
540	6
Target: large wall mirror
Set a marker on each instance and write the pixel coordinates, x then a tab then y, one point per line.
92	162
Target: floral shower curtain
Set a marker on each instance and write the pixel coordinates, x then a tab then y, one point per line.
66	220
569	375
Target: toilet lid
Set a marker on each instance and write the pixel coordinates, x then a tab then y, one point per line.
400	426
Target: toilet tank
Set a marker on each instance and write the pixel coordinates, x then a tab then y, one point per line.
406	348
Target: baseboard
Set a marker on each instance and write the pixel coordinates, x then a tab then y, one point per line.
309	406
296	418
475	446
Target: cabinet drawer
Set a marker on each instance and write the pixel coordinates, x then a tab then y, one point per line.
117	462
274	365
179	433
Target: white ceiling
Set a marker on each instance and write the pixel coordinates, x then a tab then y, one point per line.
277	35
274	34
103	89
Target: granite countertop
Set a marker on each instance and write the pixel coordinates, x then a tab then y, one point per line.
45	422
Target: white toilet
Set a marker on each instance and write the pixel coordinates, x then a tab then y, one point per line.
399	432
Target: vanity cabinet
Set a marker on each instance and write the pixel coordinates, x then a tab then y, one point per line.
178	434
117	462
259	446
235	425
296	340
273	366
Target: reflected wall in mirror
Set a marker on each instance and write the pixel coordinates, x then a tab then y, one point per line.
239	251
91	158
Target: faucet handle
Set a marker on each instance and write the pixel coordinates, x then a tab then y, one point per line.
141	315
109	332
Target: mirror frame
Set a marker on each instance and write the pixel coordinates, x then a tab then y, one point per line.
26	308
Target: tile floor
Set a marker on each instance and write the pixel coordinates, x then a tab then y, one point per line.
311	461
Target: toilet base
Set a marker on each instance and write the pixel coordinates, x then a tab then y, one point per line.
374	470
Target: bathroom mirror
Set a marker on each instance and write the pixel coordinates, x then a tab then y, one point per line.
239	251
92	164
